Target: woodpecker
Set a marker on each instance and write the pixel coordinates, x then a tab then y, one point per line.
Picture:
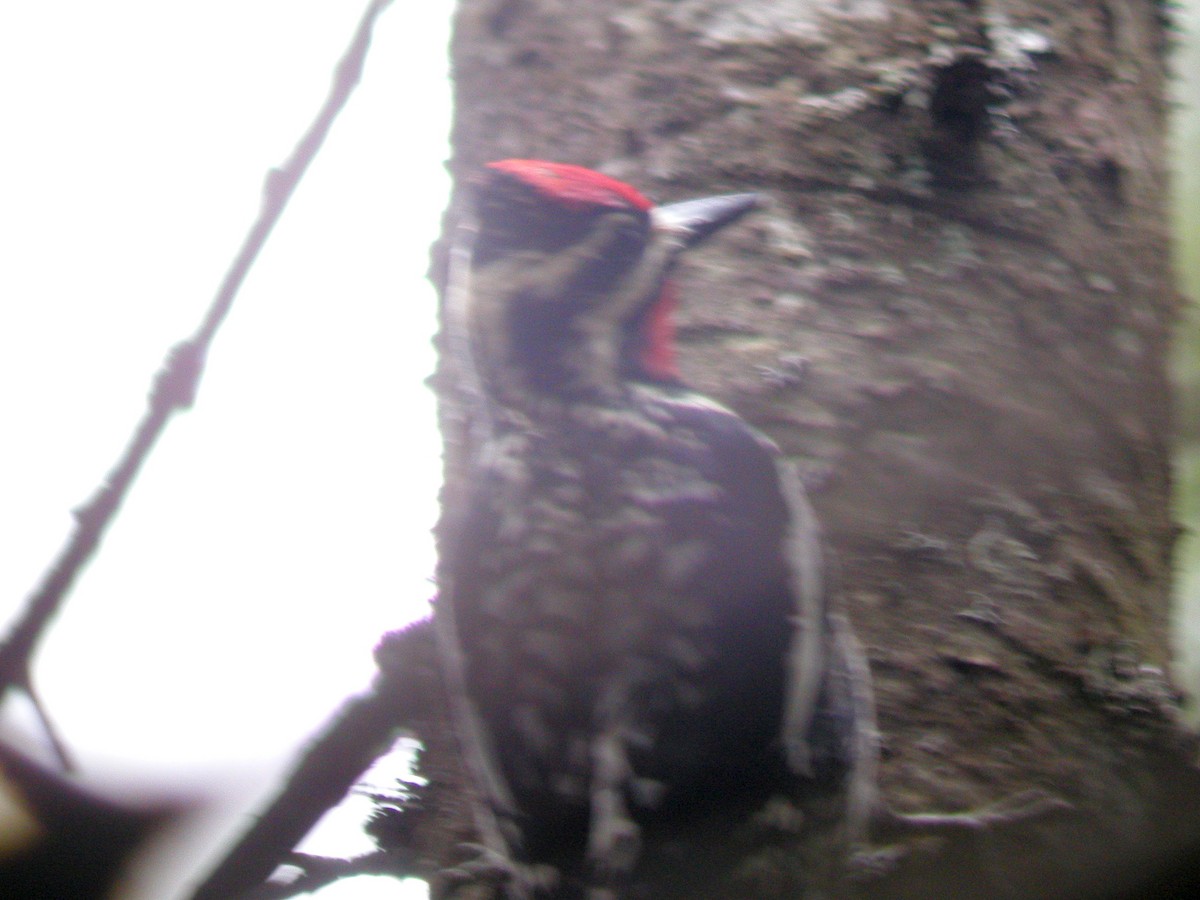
633	617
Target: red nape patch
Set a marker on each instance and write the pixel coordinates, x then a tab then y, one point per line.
573	185
658	346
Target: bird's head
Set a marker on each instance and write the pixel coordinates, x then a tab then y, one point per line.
564	279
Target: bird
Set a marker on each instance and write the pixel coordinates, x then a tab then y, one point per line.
634	617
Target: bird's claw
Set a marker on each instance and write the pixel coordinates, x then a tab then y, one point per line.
487	865
1017	807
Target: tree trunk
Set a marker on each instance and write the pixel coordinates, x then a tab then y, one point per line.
954	315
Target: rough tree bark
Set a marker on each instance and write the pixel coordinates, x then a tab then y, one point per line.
954	314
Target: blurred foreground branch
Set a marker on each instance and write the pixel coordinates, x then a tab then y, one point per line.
83	837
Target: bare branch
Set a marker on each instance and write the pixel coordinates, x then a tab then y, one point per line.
175	384
360	731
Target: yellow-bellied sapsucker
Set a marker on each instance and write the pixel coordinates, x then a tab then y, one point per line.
633	616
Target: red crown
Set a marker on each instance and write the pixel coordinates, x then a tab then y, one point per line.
573	185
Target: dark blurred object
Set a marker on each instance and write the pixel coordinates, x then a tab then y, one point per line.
81	842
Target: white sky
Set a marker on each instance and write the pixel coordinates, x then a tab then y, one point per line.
282	524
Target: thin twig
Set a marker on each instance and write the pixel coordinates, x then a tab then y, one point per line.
58	746
175	384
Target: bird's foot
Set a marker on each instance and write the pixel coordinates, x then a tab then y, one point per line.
874	860
1019	807
518	881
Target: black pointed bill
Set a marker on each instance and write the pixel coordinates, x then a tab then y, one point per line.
692	221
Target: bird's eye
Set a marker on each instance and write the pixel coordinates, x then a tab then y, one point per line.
626	239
